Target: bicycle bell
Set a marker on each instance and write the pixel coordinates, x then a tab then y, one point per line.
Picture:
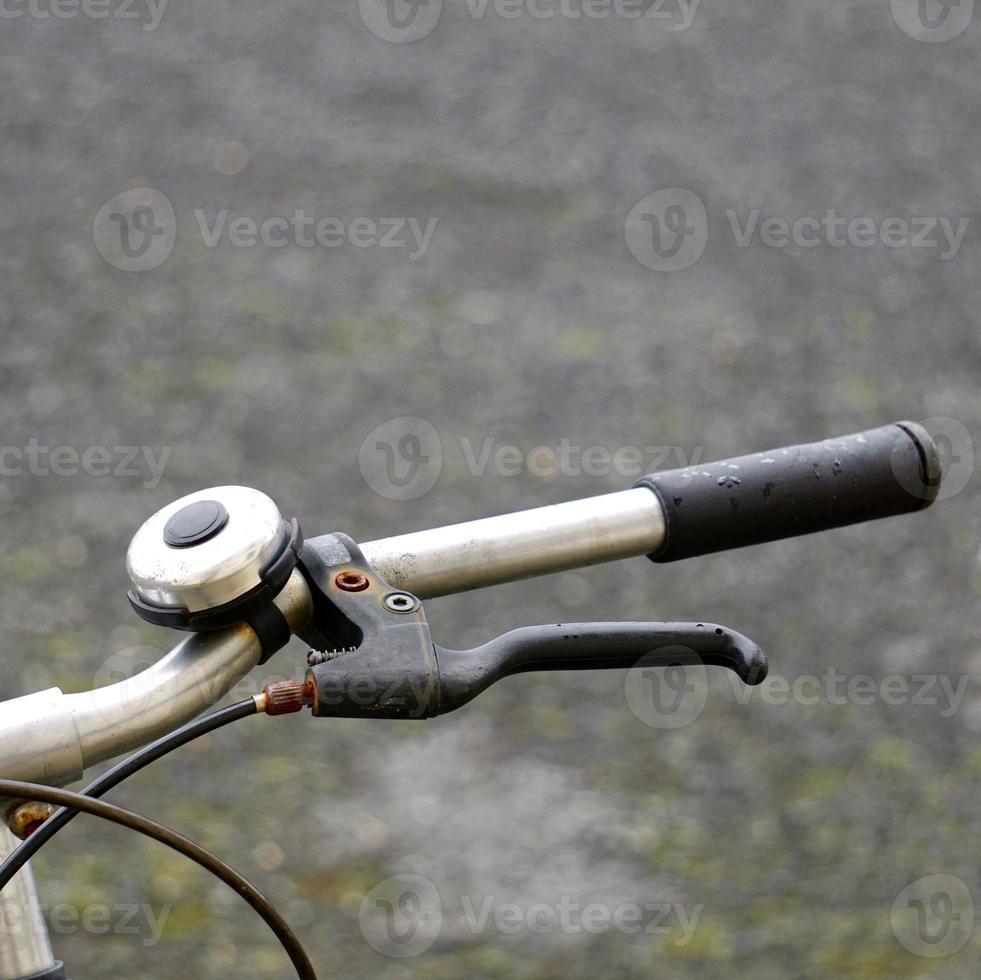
211	559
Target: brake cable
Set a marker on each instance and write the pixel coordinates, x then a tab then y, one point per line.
181	844
276	699
113	777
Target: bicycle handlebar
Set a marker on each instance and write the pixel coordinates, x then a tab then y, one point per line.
50	737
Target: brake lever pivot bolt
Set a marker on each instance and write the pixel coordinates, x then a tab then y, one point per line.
401	602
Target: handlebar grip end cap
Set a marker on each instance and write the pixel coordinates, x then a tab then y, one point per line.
923	482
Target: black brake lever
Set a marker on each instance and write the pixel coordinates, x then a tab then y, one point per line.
464	674
374	656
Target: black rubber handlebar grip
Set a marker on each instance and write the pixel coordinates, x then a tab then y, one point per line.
797	490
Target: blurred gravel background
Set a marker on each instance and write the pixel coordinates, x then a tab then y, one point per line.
788	829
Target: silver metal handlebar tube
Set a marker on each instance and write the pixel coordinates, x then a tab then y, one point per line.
52	737
192	677
511	547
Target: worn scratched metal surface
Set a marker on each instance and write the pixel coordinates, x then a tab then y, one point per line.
783	829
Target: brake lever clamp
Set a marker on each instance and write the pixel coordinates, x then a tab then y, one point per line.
374	657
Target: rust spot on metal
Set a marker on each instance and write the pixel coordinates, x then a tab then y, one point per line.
351	581
27	817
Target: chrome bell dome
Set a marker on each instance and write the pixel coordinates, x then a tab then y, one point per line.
211	558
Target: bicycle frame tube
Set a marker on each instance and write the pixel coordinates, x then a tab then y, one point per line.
25	949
